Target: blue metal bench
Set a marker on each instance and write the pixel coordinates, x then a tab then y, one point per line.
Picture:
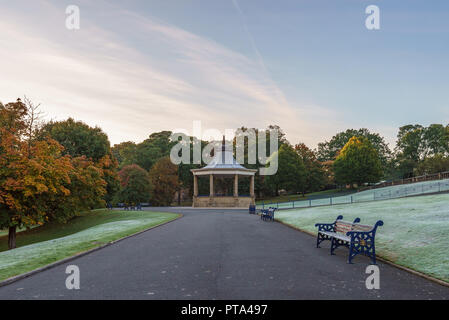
267	214
358	238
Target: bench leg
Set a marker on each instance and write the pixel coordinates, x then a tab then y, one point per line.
320	238
333	245
372	255
351	255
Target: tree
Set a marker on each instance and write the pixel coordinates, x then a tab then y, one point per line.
81	140
328	150
125	153
315	175
260	187
434	164
358	162
435	140
31	170
185	175
86	187
108	164
164	182
157	146
291	174
135	185
416	143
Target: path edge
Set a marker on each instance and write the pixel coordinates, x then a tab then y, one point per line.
389	262
79	255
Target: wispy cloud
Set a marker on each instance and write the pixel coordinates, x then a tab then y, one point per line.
168	78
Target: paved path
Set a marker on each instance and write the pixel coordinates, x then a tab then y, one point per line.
218	254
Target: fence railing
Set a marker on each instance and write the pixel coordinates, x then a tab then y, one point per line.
427	177
392	192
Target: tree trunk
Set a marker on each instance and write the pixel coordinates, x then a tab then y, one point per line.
12	238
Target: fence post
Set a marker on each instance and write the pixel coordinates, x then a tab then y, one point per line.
310	202
293	204
351	199
439	187
330	200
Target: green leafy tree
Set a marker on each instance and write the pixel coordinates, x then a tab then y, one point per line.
135	185
81	140
125	153
435	140
329	150
260	186
157	146
358	162
291	174
416	143
185	175
434	164
315	174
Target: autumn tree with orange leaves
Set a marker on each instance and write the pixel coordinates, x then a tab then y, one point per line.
30	171
39	180
164	182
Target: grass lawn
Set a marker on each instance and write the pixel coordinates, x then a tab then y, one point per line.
52	242
415	233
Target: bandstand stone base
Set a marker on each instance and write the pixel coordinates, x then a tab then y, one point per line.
223	202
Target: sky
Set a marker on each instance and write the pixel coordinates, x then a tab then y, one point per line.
312	67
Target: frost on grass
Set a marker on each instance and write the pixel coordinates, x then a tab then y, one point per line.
415	233
39	254
392	192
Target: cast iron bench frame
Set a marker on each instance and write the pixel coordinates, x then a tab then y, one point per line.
267	214
358	238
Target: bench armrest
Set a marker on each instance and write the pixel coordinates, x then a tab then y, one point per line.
328	226
372	232
325	226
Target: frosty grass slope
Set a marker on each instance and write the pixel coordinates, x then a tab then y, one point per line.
391	192
30	257
415	233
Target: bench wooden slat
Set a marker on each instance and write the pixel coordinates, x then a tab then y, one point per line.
343	227
361	227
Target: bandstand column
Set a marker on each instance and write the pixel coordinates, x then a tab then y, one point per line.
236	185
195	185
251	188
211	185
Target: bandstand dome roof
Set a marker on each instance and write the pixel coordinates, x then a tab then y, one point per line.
223	163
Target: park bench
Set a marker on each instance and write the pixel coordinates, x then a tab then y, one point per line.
358	238
267	214
252	209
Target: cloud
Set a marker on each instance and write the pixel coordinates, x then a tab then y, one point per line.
137	75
